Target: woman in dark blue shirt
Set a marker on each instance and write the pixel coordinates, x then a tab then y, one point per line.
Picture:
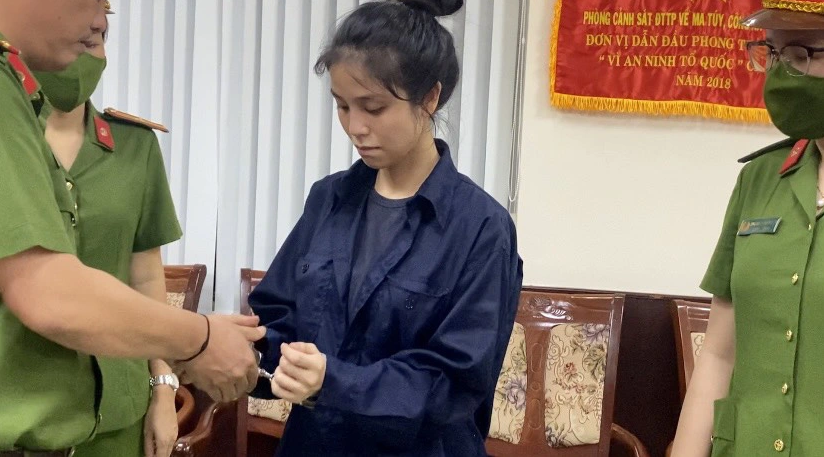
389	307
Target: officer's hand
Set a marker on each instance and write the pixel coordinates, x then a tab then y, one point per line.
227	368
300	372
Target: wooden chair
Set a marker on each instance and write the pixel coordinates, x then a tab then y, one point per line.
600	315
556	390
185	405
689	320
198	415
260	418
184	284
214	433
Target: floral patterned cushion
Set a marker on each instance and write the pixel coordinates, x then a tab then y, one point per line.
574	384
270	409
697	342
175	299
510	394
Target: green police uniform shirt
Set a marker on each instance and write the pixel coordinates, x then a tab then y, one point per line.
47	392
123	206
769	262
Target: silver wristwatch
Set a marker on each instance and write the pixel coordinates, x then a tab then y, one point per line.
165	380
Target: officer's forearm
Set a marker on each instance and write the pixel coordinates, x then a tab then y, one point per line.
148	278
90	311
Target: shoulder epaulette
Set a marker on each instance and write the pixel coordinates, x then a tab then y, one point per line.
132	119
23	73
796	153
773	147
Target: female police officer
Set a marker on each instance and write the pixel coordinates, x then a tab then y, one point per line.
761	362
125	212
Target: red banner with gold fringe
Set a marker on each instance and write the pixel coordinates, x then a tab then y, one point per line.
664	57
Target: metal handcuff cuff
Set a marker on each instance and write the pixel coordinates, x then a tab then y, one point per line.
261	372
308	403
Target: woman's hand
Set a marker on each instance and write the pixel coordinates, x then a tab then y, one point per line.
300	373
160	426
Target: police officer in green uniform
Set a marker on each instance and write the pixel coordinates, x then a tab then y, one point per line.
124	214
757	387
57	315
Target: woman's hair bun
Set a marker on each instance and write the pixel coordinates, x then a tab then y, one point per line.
435	7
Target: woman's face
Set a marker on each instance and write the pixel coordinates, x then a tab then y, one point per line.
385	130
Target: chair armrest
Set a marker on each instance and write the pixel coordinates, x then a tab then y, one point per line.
628	441
185	405
214	434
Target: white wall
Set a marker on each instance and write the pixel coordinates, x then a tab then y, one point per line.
625	202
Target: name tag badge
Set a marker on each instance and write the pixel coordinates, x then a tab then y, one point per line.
768	225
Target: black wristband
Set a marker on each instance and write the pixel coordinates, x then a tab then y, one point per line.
205	343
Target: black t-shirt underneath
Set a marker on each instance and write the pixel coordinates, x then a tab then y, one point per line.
383	219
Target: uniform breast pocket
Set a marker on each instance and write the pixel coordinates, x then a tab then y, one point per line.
314	291
415	306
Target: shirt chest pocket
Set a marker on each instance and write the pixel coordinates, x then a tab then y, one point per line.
315	292
756	241
413	308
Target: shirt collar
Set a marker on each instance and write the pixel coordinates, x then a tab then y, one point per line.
799	155
436	191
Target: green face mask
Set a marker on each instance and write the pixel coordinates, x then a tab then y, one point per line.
795	103
70	88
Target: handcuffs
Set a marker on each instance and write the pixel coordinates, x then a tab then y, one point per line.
261	372
308	403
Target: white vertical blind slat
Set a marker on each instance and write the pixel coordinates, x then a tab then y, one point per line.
201	191
293	122
267	176
504	40
180	120
474	91
319	103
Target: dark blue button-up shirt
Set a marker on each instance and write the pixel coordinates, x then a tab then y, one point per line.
412	370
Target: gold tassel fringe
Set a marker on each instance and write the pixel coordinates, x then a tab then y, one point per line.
668	108
553	44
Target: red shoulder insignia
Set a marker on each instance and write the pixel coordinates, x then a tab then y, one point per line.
796	154
23	73
132	119
104	133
